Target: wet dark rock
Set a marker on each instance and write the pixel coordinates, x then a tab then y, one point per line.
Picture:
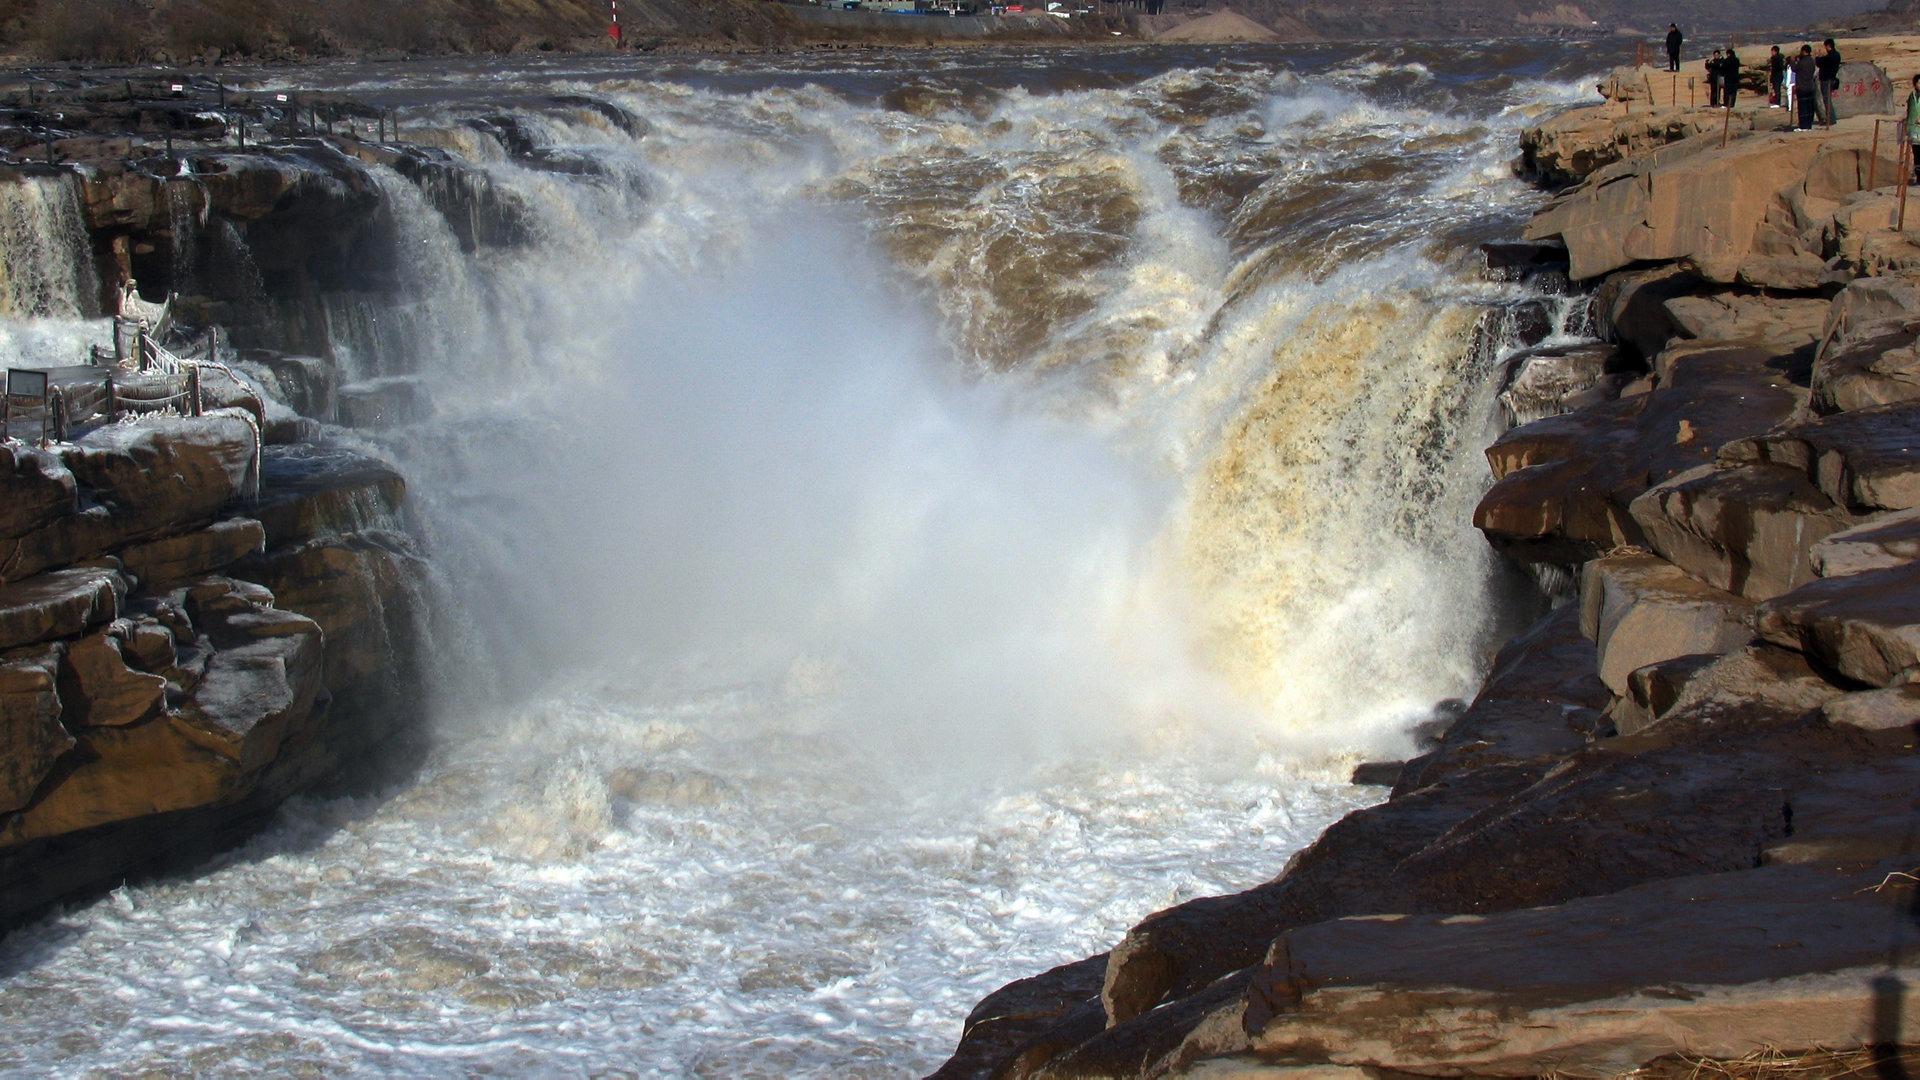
1565	484
308	492
1750	530
1378	773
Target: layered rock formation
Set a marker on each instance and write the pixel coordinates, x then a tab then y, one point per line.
202	614
1681	819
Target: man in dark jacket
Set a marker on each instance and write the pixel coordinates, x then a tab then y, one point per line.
1829	65
1673	46
1729	78
1713	78
1776	78
1806	87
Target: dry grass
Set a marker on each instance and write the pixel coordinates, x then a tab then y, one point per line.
1859	1064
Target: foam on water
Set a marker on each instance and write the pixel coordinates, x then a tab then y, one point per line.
893	551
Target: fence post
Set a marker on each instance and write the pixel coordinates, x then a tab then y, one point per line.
1906	174
1873	156
1726	127
140	345
193	388
6	414
113	400
129	89
57	412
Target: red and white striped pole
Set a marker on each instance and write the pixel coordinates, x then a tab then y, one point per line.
613	28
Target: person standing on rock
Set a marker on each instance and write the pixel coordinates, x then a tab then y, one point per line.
1829	65
1913	126
1674	40
1806	87
1713	78
1729	78
1776	78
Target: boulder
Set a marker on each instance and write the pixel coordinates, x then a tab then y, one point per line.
1894	710
32	739
1865	626
308	492
1565	484
1654	690
1863	459
1578	144
1752	682
1878	371
124	773
98	689
1631	306
365	592
201	464
305	384
1541	699
1548	381
1785	323
1639	609
64	603
1749	530
1788	956
1871	308
159	564
1705	206
35	490
1880	542
393	401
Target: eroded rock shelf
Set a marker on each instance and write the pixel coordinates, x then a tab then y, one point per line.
1679	820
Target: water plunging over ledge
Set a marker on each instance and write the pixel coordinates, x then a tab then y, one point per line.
908	520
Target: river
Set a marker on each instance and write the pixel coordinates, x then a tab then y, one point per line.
900	518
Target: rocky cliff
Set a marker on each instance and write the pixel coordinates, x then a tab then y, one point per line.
1680	822
205	608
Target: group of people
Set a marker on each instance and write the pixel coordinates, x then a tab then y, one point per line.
1803	83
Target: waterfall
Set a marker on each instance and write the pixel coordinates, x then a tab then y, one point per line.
895	523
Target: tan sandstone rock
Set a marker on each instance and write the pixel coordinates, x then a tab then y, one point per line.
1639	609
32	738
1776	957
1865	626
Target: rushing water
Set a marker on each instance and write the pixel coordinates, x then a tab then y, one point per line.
908	518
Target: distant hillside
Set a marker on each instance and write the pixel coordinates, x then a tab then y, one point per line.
1348	19
182	30
129	30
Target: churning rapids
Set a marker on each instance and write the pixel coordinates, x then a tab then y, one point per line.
902	520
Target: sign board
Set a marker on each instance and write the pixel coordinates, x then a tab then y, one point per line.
27	383
1865	90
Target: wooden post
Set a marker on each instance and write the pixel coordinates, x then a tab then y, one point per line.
113	400
193	388
221	84
57	414
50	152
129	89
140	346
1906	173
243	133
1673	93
6	417
1692	100
1726	127
1873	157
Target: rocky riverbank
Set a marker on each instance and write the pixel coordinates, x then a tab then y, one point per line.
206	609
1681	819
